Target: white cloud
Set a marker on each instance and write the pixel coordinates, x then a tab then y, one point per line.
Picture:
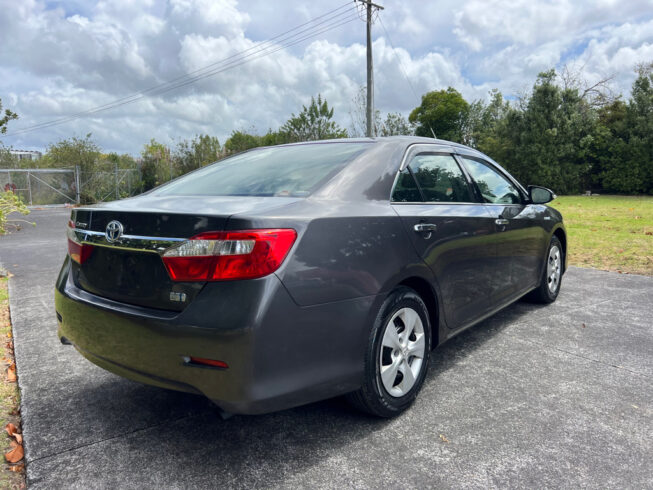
55	61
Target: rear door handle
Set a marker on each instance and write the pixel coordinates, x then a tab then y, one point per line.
422	227
501	221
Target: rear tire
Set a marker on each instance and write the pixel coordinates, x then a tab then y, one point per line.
552	270
397	355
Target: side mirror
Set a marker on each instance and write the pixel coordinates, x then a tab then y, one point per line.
540	195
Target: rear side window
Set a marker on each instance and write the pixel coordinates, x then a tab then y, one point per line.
440	178
493	186
406	189
294	171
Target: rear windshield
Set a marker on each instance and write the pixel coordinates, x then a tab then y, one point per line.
293	171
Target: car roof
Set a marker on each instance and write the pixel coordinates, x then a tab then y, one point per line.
405	139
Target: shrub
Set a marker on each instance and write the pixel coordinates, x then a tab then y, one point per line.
10	203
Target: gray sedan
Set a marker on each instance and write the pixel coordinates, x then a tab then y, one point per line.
290	274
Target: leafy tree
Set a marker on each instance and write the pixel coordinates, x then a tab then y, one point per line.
567	133
156	165
394	125
7	160
358	115
241	141
313	123
443	112
483	120
72	152
272	138
193	154
625	148
4	120
545	140
123	161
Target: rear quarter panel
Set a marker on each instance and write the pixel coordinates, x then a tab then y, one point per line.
343	250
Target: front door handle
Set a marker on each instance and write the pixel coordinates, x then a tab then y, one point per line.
501	221
422	227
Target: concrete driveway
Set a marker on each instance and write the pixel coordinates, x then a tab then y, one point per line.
557	396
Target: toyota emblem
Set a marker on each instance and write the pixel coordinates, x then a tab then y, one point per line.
114	231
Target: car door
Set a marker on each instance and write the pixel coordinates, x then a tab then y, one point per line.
519	237
450	231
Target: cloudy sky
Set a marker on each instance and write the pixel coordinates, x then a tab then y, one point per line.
60	58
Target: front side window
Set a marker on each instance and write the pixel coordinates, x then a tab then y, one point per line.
294	170
440	178
494	187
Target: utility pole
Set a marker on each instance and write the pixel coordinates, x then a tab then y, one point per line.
370	133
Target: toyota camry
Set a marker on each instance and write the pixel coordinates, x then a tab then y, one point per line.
295	273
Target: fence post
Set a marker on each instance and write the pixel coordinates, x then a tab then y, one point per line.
78	180
29	187
115	178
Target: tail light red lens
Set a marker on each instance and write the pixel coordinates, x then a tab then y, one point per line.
229	255
79	252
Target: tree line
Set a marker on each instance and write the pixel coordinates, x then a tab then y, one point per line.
563	134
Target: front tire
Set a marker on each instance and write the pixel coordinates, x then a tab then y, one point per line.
397	356
549	287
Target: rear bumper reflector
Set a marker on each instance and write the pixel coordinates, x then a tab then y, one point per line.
202	362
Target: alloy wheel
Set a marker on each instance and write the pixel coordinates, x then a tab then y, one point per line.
402	352
554	269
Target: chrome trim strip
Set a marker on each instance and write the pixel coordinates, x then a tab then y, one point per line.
425	147
136	243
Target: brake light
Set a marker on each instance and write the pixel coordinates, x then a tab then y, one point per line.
78	251
229	255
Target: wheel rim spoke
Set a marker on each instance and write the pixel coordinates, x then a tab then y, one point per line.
416	348
409	377
389	374
391	337
409	317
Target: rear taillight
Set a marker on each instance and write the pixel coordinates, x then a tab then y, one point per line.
78	251
228	255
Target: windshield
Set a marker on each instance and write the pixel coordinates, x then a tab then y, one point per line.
293	171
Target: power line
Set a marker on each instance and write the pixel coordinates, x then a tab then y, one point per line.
330	20
236	60
401	66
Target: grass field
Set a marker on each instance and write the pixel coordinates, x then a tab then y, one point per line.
612	233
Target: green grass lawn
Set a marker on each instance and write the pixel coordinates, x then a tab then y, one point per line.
612	233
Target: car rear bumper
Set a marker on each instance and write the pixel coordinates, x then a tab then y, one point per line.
279	354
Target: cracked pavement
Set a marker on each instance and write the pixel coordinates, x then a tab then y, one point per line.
555	396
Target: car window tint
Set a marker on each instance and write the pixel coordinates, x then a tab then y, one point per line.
494	187
406	189
440	178
295	170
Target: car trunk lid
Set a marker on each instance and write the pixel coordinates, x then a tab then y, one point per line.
129	269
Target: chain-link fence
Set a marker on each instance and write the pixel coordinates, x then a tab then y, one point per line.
107	182
43	186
